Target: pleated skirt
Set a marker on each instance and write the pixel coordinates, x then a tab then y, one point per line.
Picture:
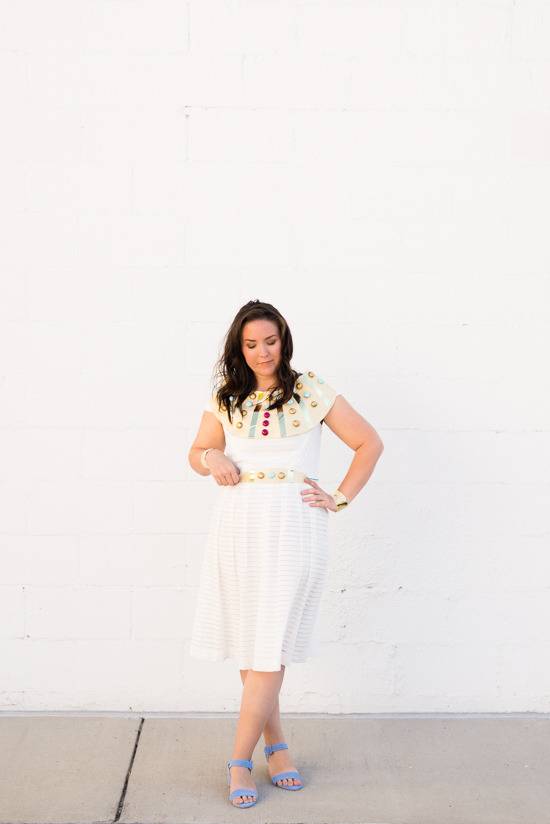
262	578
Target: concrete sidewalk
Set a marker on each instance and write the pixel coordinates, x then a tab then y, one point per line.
76	768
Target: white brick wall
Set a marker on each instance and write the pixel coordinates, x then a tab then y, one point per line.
380	171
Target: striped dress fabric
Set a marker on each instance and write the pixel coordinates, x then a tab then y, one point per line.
265	561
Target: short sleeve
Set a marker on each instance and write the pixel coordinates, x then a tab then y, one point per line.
208	395
209	405
212	406
327	393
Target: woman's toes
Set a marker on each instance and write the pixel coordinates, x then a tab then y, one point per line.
287	781
241	799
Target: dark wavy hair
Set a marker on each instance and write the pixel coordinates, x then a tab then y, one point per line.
233	376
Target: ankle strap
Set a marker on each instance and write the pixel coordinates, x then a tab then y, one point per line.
241	762
274	747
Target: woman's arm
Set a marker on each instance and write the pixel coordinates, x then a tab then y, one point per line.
210	434
359	435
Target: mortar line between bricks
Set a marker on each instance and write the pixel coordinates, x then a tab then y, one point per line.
128	773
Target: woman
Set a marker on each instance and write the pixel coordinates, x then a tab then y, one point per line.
267	550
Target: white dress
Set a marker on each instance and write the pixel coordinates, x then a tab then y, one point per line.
266	556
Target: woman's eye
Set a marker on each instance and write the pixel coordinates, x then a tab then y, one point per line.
269	343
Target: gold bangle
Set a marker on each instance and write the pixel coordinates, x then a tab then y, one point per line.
203	456
340	500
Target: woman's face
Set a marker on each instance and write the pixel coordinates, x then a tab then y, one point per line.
261	347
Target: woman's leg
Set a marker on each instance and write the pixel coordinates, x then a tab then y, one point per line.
260	690
273	732
279	761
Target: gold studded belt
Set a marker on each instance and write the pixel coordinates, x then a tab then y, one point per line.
274	475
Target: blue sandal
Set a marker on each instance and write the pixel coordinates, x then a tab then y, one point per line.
288	774
242	762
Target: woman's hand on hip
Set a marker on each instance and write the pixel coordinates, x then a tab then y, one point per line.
317	496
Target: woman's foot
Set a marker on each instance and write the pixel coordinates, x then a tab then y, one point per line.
279	761
241	777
